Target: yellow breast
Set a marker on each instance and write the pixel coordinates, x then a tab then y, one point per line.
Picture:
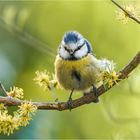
77	74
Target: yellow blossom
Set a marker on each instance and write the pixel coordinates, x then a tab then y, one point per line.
45	80
24	120
7	124
109	78
16	92
131	9
2	107
21	117
27	108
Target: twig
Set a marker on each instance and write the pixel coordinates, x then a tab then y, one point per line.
125	11
27	38
88	98
2	87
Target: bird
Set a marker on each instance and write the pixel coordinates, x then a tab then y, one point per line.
76	67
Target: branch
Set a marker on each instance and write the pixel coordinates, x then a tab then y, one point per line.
88	98
26	38
126	12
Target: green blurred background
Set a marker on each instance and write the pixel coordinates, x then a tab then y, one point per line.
117	116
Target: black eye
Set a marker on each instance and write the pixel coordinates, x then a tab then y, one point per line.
66	49
79	47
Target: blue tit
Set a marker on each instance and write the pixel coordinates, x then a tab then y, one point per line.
76	67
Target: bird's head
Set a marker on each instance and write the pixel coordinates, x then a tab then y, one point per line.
74	46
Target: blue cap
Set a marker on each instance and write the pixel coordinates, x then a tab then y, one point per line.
72	36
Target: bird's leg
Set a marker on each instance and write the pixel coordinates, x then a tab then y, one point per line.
95	94
69	102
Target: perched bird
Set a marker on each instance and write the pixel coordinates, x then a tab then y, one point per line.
76	67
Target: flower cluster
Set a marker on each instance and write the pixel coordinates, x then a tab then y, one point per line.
8	123
20	117
124	17
109	78
15	92
108	75
26	110
45	80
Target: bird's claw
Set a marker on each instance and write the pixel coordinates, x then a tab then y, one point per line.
96	100
95	94
69	103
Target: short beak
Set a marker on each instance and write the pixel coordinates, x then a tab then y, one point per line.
71	52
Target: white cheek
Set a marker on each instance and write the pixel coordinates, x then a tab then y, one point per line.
82	52
63	53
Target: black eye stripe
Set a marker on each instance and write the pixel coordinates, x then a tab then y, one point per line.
79	47
66	49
